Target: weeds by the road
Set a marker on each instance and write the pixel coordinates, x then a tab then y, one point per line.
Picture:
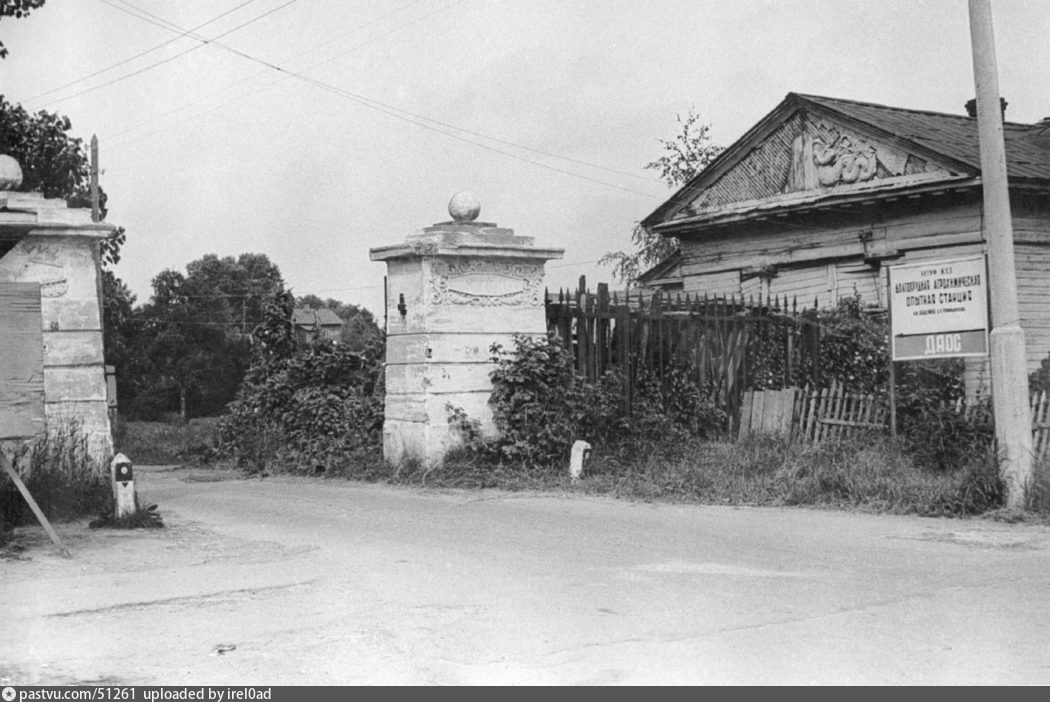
871	474
142	518
60	474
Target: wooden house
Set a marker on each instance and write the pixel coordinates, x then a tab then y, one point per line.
316	324
820	196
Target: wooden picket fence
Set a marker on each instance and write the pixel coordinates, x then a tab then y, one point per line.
823	414
812	415
1040	423
832	413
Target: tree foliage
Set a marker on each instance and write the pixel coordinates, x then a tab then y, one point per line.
17	9
54	163
541	406
684	156
190	344
305	407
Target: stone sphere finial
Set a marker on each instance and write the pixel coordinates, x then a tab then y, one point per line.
464	207
10	173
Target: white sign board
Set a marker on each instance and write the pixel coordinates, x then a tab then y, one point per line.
939	309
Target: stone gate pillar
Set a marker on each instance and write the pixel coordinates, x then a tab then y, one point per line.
52	370
453	290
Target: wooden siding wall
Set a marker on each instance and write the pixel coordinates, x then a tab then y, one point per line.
1033	300
824	258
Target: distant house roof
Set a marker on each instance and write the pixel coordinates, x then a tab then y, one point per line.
309	318
948	139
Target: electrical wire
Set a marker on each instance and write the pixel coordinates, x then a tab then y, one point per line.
423	121
170	58
226	88
138	55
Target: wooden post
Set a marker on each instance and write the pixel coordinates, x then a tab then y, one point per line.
123	486
95	216
33	505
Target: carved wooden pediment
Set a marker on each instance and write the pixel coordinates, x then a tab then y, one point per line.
810	153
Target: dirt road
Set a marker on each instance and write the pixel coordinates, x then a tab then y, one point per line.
293	581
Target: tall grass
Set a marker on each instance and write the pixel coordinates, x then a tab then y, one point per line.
160	443
60	473
868	473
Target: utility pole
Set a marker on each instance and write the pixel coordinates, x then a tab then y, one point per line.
94	179
1013	424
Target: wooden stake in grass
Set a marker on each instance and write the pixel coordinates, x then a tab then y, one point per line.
33	505
123	486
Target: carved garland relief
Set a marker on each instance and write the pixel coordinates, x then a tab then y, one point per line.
486	283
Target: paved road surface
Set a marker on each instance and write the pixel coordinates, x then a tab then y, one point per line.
290	581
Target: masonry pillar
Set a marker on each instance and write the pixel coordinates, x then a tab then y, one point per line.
60	384
453	290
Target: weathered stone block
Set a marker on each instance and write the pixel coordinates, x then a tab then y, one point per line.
74	383
72	348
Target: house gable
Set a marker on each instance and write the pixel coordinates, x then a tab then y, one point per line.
804	150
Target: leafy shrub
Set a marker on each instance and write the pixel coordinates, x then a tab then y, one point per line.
541	406
313	409
854	346
309	408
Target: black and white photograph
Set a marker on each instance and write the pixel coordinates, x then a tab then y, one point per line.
429	343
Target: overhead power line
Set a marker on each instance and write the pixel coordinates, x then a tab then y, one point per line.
170	58
129	59
266	70
423	121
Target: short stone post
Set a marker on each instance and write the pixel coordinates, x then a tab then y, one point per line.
453	290
123	486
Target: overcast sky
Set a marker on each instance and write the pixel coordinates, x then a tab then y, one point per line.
553	108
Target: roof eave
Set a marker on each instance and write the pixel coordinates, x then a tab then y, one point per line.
796	203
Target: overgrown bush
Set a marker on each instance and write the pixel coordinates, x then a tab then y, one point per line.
541	406
854	347
309	408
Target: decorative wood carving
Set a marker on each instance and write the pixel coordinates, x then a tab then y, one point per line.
807	153
841	158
